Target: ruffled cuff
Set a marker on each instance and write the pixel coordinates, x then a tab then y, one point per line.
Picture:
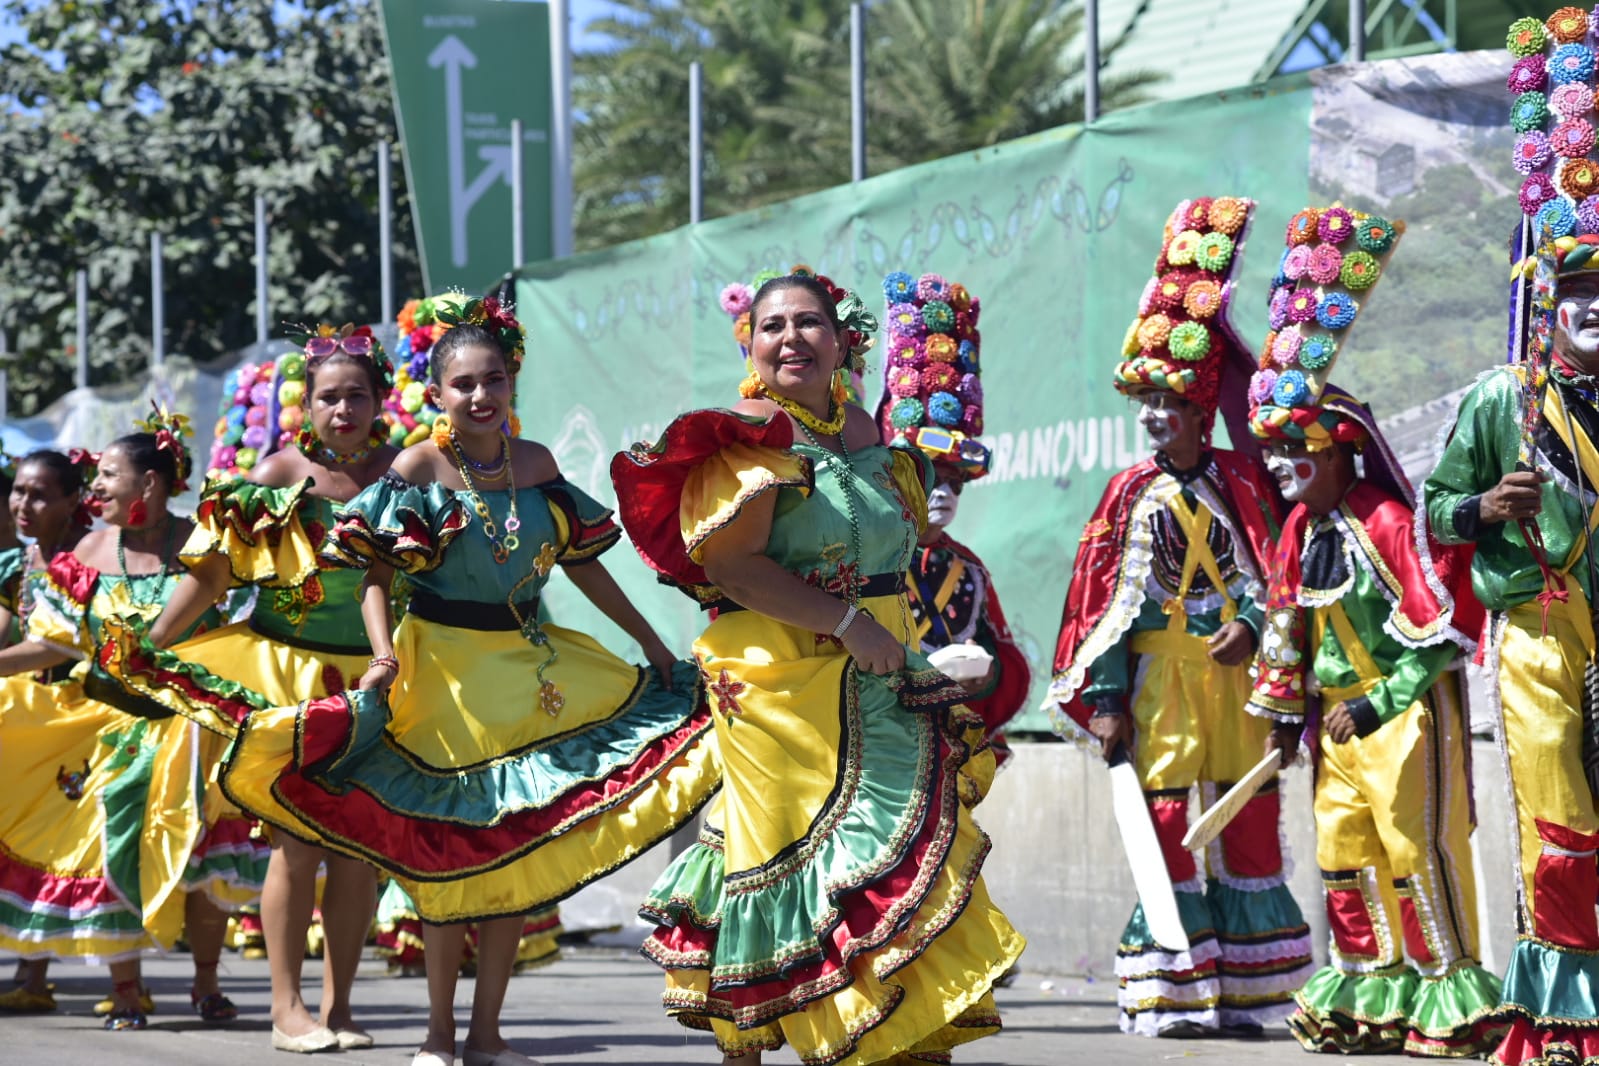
673	495
260	531
397	523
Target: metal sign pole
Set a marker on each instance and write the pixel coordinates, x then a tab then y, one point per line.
560	129
261	314
158	310
857	91
696	145
518	208
82	378
385	234
1357	31
1090	60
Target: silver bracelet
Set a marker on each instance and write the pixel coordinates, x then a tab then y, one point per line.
850	612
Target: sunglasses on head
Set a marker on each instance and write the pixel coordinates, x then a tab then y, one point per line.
356	344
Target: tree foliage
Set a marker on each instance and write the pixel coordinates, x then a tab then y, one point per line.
944	76
127	118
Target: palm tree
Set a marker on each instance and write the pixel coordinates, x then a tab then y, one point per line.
945	76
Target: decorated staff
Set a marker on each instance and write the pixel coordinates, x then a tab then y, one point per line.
1161	618
933	399
1530	524
1358	616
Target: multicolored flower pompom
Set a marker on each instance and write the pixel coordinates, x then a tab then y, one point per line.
1277	310
1567	25
1203	298
1154	331
1189	341
966	357
940	348
898	288
1292	389
904	381
1588	215
1579	178
938	316
906	413
1325	263
1536	190
1337	311
1530	151
1571	100
1571	138
1285	349
1302	227
1529	112
1298	262
1556	218
1529	74
1317	351
1526	37
936	376
1302	308
906	318
1228	215
1180	252
930	287
1360	271
1214	251
944	408
1336	225
1571	62
1262	385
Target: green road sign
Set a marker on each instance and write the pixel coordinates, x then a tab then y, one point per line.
463	70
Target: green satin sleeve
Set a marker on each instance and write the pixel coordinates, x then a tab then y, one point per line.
1407	672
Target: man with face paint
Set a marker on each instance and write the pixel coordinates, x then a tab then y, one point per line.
1161	619
951	593
1541	640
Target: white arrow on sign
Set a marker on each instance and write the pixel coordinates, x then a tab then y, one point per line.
454	57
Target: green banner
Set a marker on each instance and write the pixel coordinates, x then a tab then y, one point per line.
463	70
1057	234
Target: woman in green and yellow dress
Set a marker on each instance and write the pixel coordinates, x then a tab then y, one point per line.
304	639
833	901
44	501
113	840
492	764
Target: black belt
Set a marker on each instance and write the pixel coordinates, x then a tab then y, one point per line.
470	614
876	585
294	640
97	686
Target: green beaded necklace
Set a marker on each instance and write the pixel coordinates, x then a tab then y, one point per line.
838	463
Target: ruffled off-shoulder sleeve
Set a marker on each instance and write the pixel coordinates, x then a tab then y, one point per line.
395	522
673	495
584	524
259	529
913	474
60	616
11	568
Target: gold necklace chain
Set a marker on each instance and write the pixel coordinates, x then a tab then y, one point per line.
502	547
831	426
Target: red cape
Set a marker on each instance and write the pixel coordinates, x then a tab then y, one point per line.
1254	510
1015	678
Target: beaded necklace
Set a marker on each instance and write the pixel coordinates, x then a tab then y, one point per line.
122	563
833	425
502	547
311	447
838	463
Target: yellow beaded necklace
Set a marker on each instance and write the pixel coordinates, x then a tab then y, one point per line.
832	426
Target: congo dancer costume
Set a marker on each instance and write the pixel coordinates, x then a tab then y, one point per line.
1359	618
1169	558
1537	574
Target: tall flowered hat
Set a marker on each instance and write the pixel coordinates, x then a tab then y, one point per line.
1334	257
1178	342
406	408
932	377
1553	116
247	429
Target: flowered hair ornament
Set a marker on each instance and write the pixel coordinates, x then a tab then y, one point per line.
934	394
1348	251
1178	342
169	428
492	315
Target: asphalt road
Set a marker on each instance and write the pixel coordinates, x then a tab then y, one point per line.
598	1004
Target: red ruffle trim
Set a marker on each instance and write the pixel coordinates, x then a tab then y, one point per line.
1552	1045
21	881
649	481
445	851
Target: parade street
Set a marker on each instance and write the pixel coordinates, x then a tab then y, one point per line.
598	1004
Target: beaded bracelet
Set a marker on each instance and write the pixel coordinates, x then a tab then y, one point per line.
844	623
384	660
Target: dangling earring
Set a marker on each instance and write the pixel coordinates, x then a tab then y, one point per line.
840	388
751	386
307	440
138	514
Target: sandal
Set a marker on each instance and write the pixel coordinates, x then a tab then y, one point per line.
109	1005
215	1009
21	1001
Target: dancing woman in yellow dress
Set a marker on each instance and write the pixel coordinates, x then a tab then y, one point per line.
833	901
45	504
511	762
112	837
304	639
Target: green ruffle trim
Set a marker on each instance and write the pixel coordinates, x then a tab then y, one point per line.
1447	1008
1243	917
11	568
395	522
165	677
1347	1013
1551	986
1196	918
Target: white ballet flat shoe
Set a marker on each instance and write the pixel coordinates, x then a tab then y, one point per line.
501	1058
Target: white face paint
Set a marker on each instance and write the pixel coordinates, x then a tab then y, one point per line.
941	504
1577	319
1294	474
1163	424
